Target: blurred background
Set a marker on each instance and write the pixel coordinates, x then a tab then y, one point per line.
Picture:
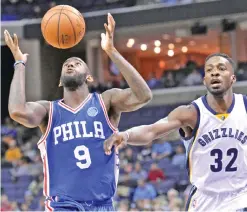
167	41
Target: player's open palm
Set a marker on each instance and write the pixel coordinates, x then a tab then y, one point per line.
107	38
118	140
14	46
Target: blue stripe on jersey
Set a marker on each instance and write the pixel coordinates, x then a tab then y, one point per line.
78	166
245	102
204	100
192	193
193	134
182	134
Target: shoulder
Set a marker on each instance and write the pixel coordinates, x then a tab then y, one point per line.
46	104
107	96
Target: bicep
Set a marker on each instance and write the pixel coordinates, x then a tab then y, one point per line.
179	117
124	100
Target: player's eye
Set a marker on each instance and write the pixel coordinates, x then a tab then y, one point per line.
222	68
78	63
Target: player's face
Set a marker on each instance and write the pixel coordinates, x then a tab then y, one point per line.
74	73
219	75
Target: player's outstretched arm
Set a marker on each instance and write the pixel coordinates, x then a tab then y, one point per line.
142	135
29	114
139	93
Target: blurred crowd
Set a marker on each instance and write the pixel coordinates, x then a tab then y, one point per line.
21	168
153	177
22	9
189	74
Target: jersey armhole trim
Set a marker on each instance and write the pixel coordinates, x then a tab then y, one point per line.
245	102
114	129
43	138
193	134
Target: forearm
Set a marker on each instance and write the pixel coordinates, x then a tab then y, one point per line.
131	75
17	97
141	135
145	134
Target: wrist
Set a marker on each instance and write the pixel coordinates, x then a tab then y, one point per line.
111	50
127	135
19	62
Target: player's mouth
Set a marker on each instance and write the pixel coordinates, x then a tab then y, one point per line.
215	82
70	70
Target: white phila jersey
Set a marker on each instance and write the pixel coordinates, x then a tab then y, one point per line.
217	150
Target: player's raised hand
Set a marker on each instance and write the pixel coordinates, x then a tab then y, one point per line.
14	46
118	140
107	38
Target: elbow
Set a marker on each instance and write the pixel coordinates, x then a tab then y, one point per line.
148	96
14	114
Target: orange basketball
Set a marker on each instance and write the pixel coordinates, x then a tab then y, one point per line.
63	26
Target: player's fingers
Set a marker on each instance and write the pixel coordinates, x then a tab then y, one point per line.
8	38
16	40
102	36
108	32
111	21
108	145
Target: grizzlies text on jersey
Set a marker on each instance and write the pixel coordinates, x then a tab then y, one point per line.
217	157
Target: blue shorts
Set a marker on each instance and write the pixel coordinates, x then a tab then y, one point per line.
67	204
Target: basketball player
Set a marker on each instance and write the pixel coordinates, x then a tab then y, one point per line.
78	175
214	130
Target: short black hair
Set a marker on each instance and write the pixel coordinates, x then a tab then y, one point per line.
224	56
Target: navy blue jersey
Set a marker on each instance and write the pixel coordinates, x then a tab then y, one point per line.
75	164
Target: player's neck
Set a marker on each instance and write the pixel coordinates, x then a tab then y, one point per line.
75	98
220	104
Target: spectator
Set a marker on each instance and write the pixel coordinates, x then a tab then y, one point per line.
123	205
145	204
194	78
161	150
169	80
124	178
5	204
176	204
172	194
13	153
155	174
15	207
36	185
23	167
144	191
153	81
24	207
129	156
138	173
146	153
179	159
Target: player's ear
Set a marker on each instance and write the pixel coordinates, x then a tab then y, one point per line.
60	84
89	78
234	79
204	83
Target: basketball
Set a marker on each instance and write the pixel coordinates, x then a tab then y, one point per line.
63	26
